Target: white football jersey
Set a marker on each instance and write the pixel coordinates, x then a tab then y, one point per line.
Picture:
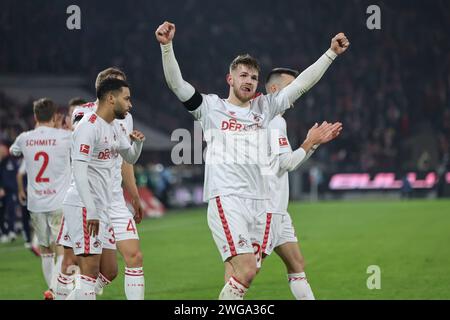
98	143
279	179
46	153
123	127
237	144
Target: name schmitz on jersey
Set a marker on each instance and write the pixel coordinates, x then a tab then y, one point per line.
46	153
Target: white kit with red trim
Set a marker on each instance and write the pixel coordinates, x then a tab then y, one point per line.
46	153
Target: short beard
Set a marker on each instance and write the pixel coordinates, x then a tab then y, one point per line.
238	95
119	115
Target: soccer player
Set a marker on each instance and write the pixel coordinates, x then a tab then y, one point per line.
95	144
72	105
283	238
234	189
46	152
122	221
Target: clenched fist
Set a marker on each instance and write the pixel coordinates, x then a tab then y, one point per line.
339	43
137	136
165	32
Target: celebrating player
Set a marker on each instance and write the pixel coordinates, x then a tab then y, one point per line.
46	152
234	190
283	160
95	143
123	231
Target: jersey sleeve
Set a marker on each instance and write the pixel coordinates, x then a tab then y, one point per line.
16	147
129	123
279	142
84	138
205	106
124	141
276	103
23	167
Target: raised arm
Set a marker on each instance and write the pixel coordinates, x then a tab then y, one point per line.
182	89
309	77
131	152
316	135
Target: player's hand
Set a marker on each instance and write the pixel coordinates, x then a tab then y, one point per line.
333	132
22	197
323	133
93	227
137	136
2	192
339	43
165	32
138	211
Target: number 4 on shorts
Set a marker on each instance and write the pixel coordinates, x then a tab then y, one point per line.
131	227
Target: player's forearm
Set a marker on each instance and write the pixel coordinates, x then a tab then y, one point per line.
15	150
129	180
132	154
182	89
19	178
309	77
80	174
292	160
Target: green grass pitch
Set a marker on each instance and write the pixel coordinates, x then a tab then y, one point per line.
409	241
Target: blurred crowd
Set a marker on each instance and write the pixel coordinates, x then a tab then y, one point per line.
391	90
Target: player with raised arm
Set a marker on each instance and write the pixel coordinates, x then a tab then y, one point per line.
46	152
95	142
283	238
123	230
235	191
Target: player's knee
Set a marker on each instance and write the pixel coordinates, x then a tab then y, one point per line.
110	274
297	266
249	273
134	259
66	265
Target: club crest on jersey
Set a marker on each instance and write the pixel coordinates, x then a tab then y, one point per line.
283	141
84	148
257	117
242	242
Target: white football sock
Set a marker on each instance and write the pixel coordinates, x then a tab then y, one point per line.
64	286
76	286
48	261
87	288
101	282
56	272
134	283
233	290
300	287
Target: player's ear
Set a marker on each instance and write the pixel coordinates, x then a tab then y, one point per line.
111	98
229	79
273	88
